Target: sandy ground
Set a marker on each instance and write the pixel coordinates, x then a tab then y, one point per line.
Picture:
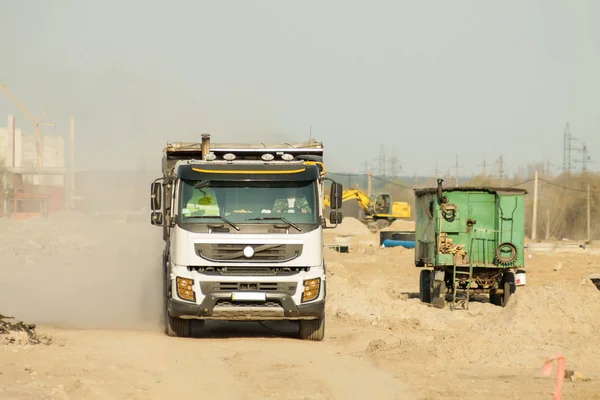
94	289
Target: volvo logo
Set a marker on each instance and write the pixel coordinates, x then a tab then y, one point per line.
248	251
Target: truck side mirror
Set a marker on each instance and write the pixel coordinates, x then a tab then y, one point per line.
156	196
156	218
335	196
335	217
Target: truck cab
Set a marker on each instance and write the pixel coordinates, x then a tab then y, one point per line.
243	230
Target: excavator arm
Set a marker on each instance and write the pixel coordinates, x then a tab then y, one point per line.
353	194
363	199
398	209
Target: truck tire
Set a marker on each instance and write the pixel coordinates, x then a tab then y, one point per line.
312	329
173	326
178	327
425	286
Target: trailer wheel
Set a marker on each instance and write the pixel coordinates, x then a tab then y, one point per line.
425	286
495	299
508	286
438	295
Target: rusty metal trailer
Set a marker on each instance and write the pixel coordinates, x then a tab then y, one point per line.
468	240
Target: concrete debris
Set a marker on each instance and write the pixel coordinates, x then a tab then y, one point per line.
13	331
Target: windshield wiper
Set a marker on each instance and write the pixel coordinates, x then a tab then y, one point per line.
275	219
237	228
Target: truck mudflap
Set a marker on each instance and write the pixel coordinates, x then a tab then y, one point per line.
218	305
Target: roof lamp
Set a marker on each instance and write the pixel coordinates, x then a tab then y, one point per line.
210	157
229	156
287	157
267	157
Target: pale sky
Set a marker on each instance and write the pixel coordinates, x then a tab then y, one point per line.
431	78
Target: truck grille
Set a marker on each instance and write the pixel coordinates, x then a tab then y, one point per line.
278	287
225	303
256	270
235	252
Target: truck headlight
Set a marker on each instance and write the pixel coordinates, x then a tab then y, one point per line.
311	289
185	289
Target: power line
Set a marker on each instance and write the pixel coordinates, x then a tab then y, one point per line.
513	185
522	183
566	188
345	174
392	183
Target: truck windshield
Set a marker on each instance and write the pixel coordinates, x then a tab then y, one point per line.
248	202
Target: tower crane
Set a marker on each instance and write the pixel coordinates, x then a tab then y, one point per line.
37	122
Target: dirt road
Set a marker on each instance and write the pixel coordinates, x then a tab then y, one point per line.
92	288
96	284
148	365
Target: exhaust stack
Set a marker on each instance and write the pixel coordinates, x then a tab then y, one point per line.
441	199
205	145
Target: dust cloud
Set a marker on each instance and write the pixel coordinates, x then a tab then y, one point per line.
90	269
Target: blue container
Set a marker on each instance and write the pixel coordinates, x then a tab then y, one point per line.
407	244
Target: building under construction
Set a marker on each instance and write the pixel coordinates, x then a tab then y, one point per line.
30	190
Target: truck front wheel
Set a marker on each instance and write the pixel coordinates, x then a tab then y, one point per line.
178	327
312	329
173	326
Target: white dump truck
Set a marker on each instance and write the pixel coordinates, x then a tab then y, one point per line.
243	230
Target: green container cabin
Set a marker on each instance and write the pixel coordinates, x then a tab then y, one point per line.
469	240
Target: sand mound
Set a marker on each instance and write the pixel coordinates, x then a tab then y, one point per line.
556	307
13	331
401	225
351	227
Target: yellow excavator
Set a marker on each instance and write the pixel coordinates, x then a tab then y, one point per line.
379	210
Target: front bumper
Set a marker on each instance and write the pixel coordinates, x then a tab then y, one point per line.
217	305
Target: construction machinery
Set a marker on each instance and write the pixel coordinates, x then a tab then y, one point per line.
36	122
379	210
468	240
243	230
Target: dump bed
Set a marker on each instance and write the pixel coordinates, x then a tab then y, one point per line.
302	151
